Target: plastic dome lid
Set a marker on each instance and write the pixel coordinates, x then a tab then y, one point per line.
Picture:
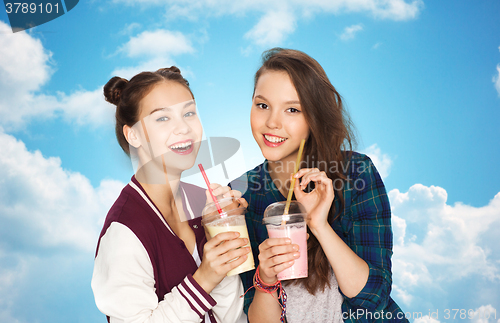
277	209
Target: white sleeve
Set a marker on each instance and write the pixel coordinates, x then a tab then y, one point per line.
123	284
229	303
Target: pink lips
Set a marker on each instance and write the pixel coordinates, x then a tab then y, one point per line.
272	144
182	151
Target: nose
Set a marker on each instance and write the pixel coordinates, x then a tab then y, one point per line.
181	127
273	120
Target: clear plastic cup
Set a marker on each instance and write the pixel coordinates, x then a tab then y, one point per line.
293	226
231	219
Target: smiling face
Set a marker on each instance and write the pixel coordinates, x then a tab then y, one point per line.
170	125
277	120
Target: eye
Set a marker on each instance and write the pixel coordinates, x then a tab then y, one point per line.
160	119
262	106
293	110
190	114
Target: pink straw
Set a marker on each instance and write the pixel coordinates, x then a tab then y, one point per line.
209	189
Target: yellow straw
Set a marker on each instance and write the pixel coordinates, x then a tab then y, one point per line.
292	184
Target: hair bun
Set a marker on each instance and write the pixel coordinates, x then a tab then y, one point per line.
113	89
171	69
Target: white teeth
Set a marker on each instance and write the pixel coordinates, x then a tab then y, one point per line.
274	139
181	145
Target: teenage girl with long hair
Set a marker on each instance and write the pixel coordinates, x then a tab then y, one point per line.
349	244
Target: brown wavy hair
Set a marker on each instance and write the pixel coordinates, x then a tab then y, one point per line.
127	95
331	139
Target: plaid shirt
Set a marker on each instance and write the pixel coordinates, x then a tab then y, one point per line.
364	225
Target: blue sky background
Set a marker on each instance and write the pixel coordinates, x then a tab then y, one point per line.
420	79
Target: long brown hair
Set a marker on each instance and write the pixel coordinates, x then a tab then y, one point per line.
330	141
127	95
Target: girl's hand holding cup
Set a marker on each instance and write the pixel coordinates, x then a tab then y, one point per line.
221	192
223	253
223	219
276	255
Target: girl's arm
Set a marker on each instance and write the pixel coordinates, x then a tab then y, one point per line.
123	284
363	269
350	270
229	303
370	236
275	255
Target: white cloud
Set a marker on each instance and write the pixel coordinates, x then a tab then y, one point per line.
129	29
158	47
382	162
87	107
350	32
496	80
386	9
426	319
50	219
60	280
484	314
395	9
44	206
436	242
9	276
24	63
272	28
158	43
287	12
142	2
401	294
25	67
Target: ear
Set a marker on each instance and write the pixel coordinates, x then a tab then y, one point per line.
131	136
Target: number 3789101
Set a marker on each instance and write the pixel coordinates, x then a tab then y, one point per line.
24	7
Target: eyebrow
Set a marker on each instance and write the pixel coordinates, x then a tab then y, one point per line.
287	102
188	104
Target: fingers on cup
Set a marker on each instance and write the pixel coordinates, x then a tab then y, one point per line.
243	202
235	253
228	255
278	254
229	235
235	262
282	266
270	242
220	238
221	190
214	186
233	258
233	193
233	244
283	249
277	264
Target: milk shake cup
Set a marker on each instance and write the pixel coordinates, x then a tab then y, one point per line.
293	226
231	219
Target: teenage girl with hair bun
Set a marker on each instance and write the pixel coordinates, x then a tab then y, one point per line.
153	262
